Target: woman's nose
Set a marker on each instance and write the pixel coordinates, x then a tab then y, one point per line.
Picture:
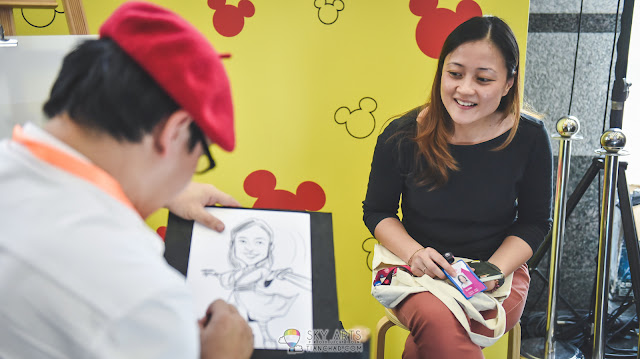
466	86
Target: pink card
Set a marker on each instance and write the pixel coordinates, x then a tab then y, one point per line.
465	280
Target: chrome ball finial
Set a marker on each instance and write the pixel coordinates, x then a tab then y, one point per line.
613	140
567	126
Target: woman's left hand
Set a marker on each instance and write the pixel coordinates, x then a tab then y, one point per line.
491	285
190	203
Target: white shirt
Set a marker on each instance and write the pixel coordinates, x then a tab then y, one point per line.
81	274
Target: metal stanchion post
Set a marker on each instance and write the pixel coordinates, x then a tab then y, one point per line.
549	348
612	141
567	128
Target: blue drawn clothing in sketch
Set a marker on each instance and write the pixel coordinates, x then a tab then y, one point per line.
251	293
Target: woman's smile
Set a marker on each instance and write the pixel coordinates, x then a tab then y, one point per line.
474	80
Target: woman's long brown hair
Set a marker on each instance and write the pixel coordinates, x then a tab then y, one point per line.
435	131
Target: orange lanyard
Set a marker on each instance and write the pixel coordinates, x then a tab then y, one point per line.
73	165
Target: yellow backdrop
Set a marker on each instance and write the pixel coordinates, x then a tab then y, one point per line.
313	86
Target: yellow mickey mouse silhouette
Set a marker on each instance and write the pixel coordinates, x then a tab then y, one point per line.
328	11
359	123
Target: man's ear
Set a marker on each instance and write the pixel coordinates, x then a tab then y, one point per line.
174	130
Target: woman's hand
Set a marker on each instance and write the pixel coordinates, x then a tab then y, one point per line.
491	285
430	262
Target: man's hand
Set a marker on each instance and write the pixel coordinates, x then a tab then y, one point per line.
224	333
190	203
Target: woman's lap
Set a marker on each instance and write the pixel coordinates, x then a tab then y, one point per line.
436	333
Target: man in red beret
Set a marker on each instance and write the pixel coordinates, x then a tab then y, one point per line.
81	274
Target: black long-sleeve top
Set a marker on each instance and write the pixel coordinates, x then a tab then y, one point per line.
494	194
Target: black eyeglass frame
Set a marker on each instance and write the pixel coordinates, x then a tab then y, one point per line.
206	152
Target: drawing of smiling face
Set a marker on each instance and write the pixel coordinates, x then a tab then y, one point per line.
252	245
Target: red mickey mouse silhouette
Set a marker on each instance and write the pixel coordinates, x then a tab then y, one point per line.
437	23
228	20
261	184
162	231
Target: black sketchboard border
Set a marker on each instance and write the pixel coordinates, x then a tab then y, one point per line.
324	292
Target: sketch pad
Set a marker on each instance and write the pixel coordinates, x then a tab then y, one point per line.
280	261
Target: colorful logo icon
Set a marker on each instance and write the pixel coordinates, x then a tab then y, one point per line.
291	338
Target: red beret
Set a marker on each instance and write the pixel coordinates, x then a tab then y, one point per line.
181	60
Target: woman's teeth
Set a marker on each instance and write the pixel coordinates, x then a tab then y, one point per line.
469	104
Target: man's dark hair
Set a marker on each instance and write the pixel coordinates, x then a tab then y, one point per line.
102	88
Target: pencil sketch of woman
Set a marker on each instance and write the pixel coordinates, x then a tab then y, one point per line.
252	278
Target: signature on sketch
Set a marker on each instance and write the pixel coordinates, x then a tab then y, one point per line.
251	279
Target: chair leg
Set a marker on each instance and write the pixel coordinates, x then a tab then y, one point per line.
514	342
383	325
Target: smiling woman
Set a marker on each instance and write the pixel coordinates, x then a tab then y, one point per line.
474	179
474	81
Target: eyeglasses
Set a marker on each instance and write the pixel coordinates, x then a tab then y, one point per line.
205	162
